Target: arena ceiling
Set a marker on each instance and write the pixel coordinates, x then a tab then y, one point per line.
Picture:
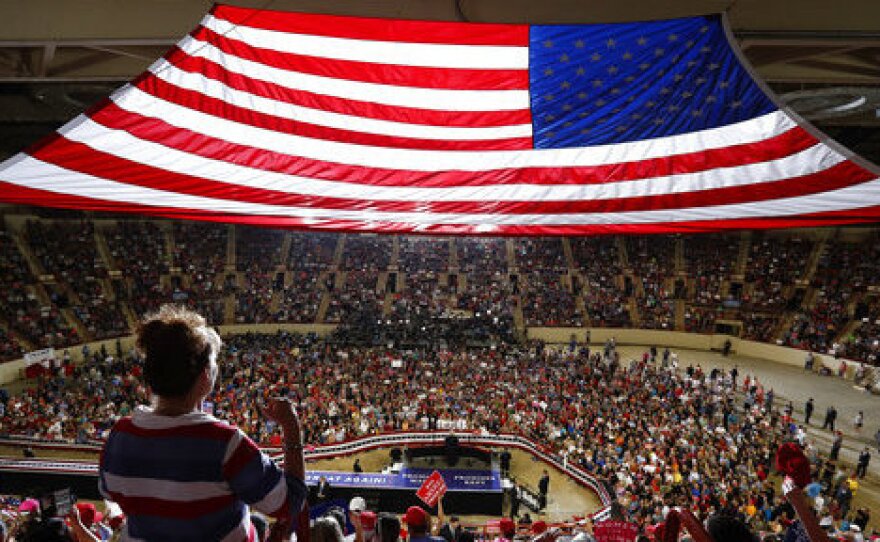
58	57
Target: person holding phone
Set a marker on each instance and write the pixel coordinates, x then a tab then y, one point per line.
181	474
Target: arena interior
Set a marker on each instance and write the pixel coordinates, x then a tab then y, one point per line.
556	380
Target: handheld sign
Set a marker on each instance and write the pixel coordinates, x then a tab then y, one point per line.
615	531
432	489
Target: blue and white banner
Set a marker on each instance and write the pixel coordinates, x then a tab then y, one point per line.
456	479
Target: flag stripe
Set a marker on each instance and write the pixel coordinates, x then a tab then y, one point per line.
438	55
377	29
312	121
269	89
78	157
156	131
286	119
253	181
136	101
849	215
32	172
378	70
451	99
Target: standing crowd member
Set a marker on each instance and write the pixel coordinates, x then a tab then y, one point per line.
181	474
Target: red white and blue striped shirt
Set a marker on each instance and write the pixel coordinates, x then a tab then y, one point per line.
192	477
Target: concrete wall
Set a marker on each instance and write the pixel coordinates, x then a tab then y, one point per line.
690	341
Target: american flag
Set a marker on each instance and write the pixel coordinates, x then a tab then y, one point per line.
353	124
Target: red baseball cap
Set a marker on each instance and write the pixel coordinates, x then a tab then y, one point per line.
415	515
88	514
507	526
368	520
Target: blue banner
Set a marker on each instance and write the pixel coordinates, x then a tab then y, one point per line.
456	479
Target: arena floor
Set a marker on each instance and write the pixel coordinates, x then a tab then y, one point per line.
568	499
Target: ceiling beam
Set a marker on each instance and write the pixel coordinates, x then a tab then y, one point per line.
763	56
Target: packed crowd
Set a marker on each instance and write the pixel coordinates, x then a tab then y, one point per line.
655	434
95	291
653	261
68	253
601	282
546	298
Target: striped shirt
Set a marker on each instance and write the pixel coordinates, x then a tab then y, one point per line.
191	477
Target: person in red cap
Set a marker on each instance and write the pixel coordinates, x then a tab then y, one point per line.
418	525
85	523
539	527
508	530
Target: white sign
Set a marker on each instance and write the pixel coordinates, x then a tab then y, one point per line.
44	357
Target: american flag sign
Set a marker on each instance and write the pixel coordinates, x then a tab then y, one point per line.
353	124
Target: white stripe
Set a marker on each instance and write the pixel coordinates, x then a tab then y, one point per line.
123	144
144	416
241	530
127	537
236	439
170	490
26	171
750	131
422	98
495	57
215	89
274	499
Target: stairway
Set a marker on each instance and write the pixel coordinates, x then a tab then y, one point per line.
229	309
104	250
286	241
231	255
621	252
322	307
453	255
815	255
25	344
678	262
339	252
130	317
745	243
569	255
679	314
511	254
395	251
29	256
634	314
77	324
848	330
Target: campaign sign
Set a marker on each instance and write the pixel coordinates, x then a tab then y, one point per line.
432	489
615	531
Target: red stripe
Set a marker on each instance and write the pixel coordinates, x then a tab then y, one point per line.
371	72
190	509
244	452
158	131
376	29
17	194
79	157
409	115
207	430
218	108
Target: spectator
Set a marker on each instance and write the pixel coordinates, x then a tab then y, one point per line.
418	525
180	369
326	529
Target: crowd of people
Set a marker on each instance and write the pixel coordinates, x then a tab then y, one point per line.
656	434
92	279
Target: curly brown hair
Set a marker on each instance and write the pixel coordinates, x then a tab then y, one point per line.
177	345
